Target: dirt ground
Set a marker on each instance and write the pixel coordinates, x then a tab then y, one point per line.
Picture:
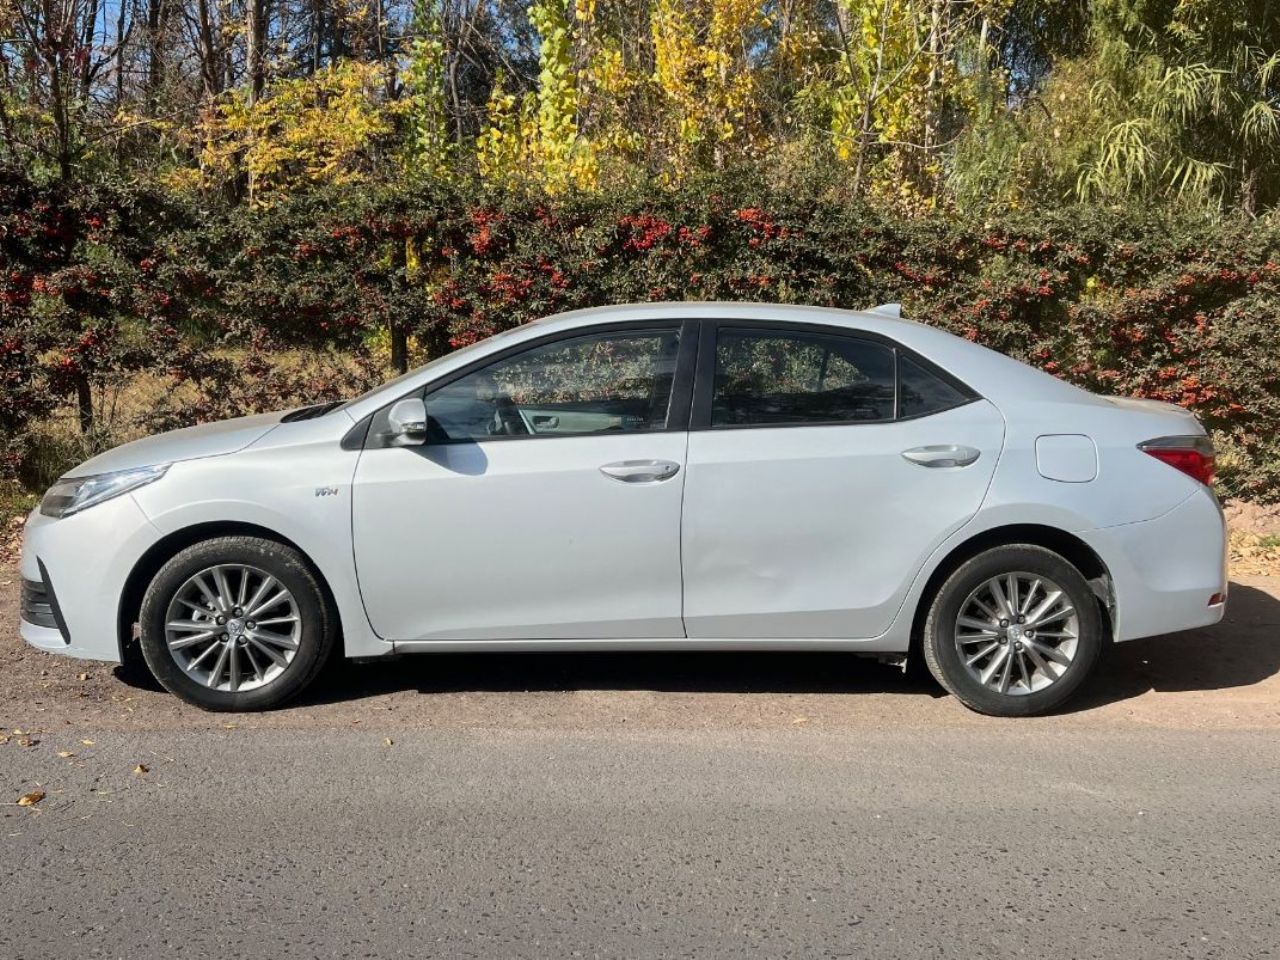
1224	677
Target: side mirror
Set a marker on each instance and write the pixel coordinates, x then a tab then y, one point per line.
407	423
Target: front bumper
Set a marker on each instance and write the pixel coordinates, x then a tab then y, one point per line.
1166	570
86	559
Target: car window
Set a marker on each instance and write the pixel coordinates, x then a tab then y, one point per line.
771	377
921	392
600	383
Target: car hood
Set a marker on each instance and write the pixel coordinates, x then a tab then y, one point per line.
190	443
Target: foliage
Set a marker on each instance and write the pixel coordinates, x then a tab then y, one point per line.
321	130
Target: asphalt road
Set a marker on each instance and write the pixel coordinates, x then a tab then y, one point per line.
795	843
650	806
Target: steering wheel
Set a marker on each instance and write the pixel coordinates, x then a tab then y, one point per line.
507	419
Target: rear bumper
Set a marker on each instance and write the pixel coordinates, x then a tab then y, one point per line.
1166	570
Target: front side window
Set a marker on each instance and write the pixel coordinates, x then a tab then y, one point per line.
770	377
616	382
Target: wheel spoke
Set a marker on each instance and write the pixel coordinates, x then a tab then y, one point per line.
1053	653
204	653
1002	601
1041	662
1004	674
224	589
233	665
215	674
1022	669
182	643
210	597
1026	601
275	639
1056	615
274	601
276	620
982	653
263	589
984	626
253	661
1011	594
991	612
996	663
276	656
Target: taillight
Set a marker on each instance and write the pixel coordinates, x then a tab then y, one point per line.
1192	455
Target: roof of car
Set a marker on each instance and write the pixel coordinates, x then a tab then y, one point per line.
724	309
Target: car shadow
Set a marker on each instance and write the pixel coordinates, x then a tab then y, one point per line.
1241	651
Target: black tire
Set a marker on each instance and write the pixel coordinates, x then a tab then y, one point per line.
939	640
317	627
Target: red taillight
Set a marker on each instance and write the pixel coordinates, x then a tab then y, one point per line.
1192	455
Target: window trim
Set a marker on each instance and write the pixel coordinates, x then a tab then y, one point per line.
678	407
704	385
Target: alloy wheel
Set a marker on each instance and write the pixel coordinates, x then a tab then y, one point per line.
1017	633
233	627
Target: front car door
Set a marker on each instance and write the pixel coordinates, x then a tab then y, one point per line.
545	503
823	468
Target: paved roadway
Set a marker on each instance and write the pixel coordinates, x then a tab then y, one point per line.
772	843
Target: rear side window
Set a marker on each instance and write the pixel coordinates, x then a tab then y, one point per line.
769	377
921	392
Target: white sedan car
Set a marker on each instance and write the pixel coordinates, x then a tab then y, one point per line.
712	476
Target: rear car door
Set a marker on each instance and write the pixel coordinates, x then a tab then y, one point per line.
824	467
545	503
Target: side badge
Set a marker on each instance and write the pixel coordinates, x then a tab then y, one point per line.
326	491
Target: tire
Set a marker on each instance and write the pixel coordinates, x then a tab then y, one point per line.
1036	680
205	652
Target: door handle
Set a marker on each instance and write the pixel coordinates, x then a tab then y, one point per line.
942	455
640	471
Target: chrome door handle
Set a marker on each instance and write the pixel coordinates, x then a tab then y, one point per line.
942	455
640	471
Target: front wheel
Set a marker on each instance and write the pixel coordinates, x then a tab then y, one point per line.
236	623
1014	631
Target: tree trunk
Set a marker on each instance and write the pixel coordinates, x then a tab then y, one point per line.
399	347
84	403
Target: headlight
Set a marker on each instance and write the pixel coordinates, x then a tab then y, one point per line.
73	494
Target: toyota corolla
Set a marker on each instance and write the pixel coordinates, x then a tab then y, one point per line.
651	477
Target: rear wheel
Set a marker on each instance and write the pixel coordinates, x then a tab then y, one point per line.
236	623
1013	631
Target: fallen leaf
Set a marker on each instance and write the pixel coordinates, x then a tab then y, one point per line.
388	741
4	738
140	769
64	754
27	742
31	799
86	743
82	677
229	726
800	720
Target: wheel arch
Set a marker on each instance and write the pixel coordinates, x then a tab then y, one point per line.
168	546
1067	545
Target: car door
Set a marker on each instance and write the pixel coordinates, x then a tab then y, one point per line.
545	502
823	468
